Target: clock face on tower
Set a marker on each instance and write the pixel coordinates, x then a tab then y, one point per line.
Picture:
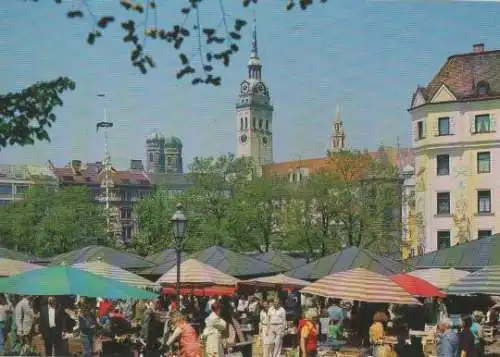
245	88
260	89
243	138
265	140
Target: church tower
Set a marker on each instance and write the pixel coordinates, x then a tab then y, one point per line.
337	140
155	153
254	113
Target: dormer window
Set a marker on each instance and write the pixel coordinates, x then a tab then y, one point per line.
483	88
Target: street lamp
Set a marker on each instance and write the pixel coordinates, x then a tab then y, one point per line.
179	226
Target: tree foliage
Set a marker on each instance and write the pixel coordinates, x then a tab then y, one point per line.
350	203
26	116
214	45
49	222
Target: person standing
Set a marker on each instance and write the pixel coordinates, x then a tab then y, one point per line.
51	321
5	310
215	326
189	345
25	318
87	324
148	333
335	312
447	340
264	329
309	334
467	346
277	325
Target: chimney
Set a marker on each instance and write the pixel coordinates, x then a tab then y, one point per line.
478	48
136	165
76	165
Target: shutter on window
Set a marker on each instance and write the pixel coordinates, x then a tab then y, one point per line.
472	124
435	126
493	123
424	127
452	125
414	131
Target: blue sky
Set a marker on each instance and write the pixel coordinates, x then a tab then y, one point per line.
368	56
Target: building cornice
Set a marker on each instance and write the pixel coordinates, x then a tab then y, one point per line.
460	145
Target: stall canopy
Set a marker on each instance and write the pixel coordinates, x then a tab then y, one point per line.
275	281
164	261
485	281
417	286
235	264
9	267
110	271
441	278
15	255
472	255
65	280
346	259
197	274
122	259
362	285
280	259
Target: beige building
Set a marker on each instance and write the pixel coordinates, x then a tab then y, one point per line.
457	151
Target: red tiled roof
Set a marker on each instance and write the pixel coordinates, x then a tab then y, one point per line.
399	157
91	177
462	73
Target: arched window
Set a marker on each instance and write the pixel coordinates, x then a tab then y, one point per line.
254	123
241	123
267	124
151	157
260	123
246	123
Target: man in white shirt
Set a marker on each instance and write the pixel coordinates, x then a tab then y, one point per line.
277	325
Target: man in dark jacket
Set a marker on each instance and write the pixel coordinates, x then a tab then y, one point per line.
51	326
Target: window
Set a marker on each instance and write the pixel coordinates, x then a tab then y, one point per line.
246	123
443	203
267	125
482	124
483	162
260	123
444	126
254	123
443	165
20	189
483	233
126	234
151	157
420	130
241	124
443	239
126	213
6	188
484	201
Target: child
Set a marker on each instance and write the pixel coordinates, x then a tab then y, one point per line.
324	322
335	333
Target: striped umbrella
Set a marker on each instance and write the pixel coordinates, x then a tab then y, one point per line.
362	285
485	281
441	278
9	267
110	271
276	281
195	273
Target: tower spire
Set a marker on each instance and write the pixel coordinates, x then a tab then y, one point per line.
337	140
254	66
254	53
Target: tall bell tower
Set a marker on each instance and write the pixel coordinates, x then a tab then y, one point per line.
254	113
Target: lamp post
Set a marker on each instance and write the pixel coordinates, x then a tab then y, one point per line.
179	227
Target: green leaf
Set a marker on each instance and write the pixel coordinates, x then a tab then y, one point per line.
75	13
91	38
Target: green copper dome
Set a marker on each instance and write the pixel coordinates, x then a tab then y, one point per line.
173	142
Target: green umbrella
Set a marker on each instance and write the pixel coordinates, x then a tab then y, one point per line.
66	280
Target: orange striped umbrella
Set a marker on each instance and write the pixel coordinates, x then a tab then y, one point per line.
195	273
275	281
362	285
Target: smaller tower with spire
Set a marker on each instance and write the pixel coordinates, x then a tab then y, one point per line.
337	139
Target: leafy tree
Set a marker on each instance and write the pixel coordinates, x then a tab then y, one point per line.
26	116
49	222
349	203
214	45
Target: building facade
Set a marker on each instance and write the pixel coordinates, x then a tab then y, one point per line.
457	148
163	155
125	189
254	114
15	180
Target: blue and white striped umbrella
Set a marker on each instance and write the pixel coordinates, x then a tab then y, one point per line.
485	281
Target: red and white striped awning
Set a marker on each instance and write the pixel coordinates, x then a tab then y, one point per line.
195	273
362	285
275	281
